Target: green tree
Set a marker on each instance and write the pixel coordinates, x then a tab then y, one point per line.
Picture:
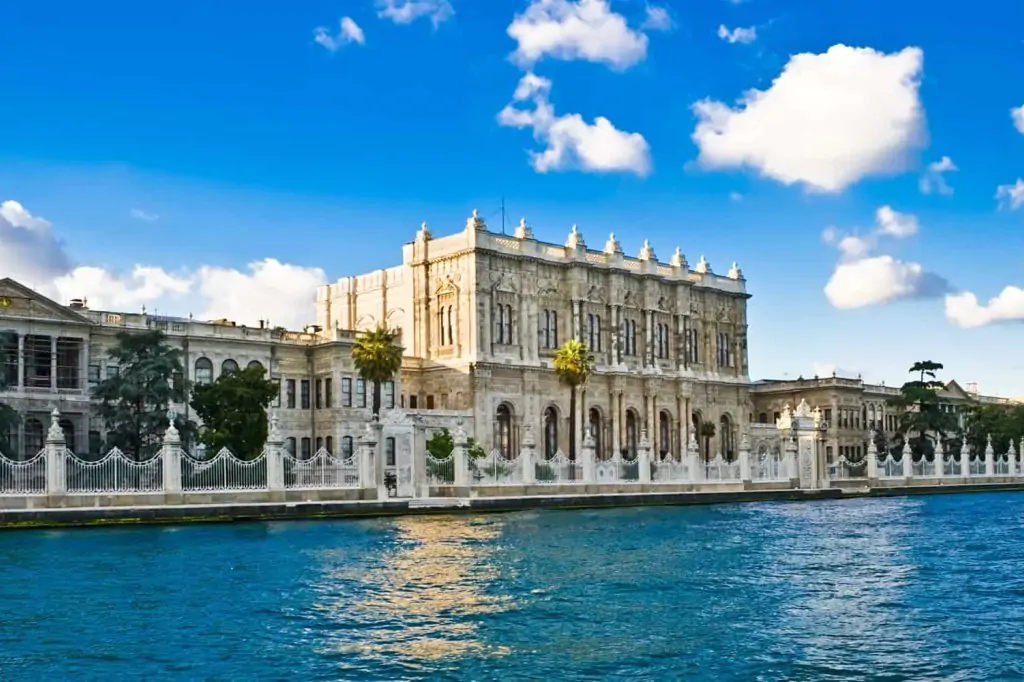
8	417
881	442
707	432
573	366
441	445
377	358
134	403
233	410
1005	423
921	412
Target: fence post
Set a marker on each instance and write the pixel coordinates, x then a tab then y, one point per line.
526	457
56	450
940	459
792	470
275	457
459	458
368	465
588	456
170	459
643	458
871	466
907	459
745	475
1011	460
965	459
990	458
693	455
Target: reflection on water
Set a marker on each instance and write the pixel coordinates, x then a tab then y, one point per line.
421	598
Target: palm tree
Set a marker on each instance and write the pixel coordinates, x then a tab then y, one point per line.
573	365
707	432
378	358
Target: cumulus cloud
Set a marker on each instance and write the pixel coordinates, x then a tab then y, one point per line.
584	30
744	36
348	32
31	254
1017	116
862	278
408	11
1011	196
933	180
570	142
827	121
964	310
657	19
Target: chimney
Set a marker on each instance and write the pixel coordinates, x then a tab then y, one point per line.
77	304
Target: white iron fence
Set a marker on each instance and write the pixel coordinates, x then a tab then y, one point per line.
322	471
22	478
114	473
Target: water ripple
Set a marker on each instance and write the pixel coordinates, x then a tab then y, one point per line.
888	589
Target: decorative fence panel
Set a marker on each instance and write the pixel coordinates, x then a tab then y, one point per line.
322	470
495	469
719	469
223	472
116	472
768	466
670	471
1002	465
889	467
558	470
952	466
440	471
977	466
21	478
923	467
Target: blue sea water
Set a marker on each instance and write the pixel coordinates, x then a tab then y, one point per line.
889	589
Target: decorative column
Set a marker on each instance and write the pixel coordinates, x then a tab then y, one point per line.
643	457
649	339
21	363
965	459
55	453
745	475
53	363
588	457
680	428
1011	461
371	476
616	422
694	464
527	455
418	461
907	460
575	319
459	458
940	459
171	457
791	464
871	466
616	322
275	459
652	420
990	457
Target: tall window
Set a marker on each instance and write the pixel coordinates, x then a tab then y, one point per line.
503	431
229	366
346	446
595	431
33	438
661	337
631	433
450	325
389	451
319	395
725	437
304	394
594	332
329	444
628	333
328	392
346	392
692	343
548	325
389	394
289	393
306	447
289	445
550	432
664	434
10	359
360	393
724	348
503	324
204	371
319	444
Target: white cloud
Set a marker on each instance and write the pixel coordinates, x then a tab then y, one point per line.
31	254
408	11
933	181
862	278
144	216
657	19
1017	116
964	310
735	196
744	36
1011	196
571	142
586	30
827	121
348	32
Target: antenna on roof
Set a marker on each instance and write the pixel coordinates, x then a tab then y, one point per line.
503	215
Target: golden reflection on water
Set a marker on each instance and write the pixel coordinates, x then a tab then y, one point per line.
422	598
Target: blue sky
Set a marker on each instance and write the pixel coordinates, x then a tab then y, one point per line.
240	138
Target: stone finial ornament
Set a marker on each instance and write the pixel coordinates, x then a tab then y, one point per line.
475	222
735	272
703	266
523	231
575	238
679	260
424	233
647	252
612	245
55	433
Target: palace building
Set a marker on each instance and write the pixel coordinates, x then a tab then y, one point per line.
482	315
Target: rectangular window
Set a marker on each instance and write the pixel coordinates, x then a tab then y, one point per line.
412	402
319	443
319	395
328	392
346	392
389	394
547	325
277	396
389	451
94	374
306	445
304	394
112	371
289	390
430	402
360	393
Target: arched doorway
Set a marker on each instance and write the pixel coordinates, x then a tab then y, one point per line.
550	432
596	430
632	427
695	422
504	436
664	434
725	438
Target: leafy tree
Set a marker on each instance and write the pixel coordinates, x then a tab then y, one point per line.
233	410
134	403
707	432
881	442
441	445
8	417
921	415
573	366
1005	423
378	358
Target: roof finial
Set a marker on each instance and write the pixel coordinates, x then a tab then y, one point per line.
475	222
523	231
612	245
575	239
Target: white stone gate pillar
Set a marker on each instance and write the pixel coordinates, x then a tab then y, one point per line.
990	458
802	452
940	459
371	473
526	457
171	459
460	462
871	465
643	457
745	475
694	464
55	454
275	459
588	457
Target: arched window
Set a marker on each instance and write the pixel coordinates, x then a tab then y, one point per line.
594	418
33	438
664	434
319	443
69	434
451	325
305	444
389	451
695	421
346	446
440	327
632	424
550	432
204	371
725	438
329	444
503	441
255	363
229	366
594	332
762	418
549	329
289	445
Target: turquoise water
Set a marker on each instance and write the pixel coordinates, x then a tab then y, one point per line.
925	588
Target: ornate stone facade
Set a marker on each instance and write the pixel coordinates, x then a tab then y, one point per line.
482	314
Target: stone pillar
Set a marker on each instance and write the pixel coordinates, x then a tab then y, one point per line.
791	464
459	458
53	363
643	457
55	454
695	465
21	364
171	459
745	475
371	473
990	458
907	459
651	403
588	457
575	331
940	459
616	416
965	459
871	465
1011	461
275	458
418	455
649	339
616	322
527	456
